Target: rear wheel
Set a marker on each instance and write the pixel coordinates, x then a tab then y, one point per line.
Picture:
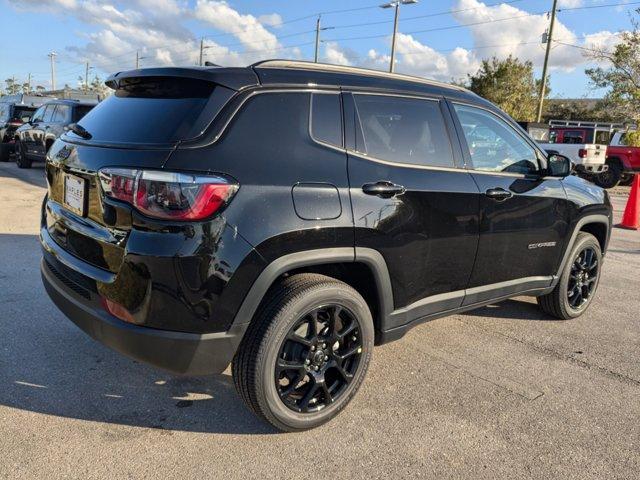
306	352
5	150
626	179
21	157
611	177
579	280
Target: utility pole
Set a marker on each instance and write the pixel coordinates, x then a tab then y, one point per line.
318	30
395	5
201	51
29	83
315	57
86	77
137	60
543	83
52	56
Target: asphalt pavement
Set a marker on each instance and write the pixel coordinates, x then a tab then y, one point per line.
501	392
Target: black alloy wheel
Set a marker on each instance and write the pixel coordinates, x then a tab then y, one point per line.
318	358
578	282
583	276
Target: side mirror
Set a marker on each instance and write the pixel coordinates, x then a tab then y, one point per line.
559	165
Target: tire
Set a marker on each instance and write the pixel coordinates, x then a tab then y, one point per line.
559	303
611	177
626	179
291	302
21	158
5	151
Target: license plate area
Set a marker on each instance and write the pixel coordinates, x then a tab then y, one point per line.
75	193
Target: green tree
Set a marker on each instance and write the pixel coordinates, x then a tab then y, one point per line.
508	83
621	77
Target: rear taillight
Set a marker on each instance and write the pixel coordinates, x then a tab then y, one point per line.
582	152
168	195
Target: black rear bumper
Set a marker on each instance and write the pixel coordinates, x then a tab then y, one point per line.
177	352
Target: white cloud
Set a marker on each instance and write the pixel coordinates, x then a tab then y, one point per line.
247	28
157	30
569	3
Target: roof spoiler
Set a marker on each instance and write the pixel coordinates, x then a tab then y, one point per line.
233	78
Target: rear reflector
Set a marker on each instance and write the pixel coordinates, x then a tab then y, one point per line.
117	310
168	195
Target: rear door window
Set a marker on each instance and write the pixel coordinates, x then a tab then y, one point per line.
49	110
404	130
61	114
151	110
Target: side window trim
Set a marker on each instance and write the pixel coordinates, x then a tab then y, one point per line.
354	130
540	156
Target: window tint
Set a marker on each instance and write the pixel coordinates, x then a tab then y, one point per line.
4	112
326	118
48	113
37	117
404	130
80	111
603	137
495	146
21	112
573	136
152	110
61	114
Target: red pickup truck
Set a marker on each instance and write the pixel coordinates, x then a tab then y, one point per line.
623	161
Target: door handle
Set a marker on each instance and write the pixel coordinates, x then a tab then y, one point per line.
383	189
498	193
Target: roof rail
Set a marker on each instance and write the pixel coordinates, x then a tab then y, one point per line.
326	67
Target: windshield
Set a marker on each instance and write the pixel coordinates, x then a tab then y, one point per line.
151	110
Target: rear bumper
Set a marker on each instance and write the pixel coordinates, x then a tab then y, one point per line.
177	352
593	168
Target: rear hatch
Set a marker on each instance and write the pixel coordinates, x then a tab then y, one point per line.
135	128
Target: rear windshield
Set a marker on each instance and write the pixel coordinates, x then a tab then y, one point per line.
151	110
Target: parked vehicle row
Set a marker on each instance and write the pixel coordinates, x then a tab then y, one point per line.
287	216
34	139
15	110
597	149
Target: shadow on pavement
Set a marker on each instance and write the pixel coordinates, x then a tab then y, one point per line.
33	176
47	365
513	309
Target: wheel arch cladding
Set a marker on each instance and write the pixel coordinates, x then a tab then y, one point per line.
362	269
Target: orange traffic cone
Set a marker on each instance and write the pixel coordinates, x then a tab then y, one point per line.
631	217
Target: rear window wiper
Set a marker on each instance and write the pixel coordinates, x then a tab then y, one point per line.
79	130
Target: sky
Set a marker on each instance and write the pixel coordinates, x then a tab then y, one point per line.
438	39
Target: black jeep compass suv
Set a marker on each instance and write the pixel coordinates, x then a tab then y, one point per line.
287	216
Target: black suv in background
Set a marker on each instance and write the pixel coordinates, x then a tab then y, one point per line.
287	216
15	110
34	138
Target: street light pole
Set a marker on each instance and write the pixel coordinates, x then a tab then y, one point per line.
543	82
396	4
52	56
393	40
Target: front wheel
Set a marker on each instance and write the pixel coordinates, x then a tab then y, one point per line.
578	282
306	352
21	157
611	177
